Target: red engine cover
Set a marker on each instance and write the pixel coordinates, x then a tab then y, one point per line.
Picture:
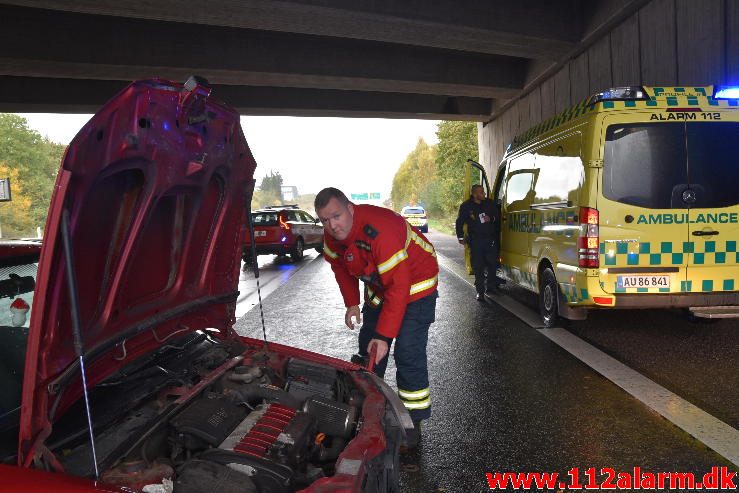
260	438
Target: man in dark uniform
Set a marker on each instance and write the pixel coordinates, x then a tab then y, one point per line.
482	217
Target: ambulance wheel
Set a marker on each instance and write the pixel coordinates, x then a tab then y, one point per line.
297	252
548	295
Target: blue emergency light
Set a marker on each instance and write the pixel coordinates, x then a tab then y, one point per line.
631	93
726	93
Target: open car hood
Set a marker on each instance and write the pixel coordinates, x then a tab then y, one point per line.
156	187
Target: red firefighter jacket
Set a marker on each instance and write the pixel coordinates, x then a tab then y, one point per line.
394	260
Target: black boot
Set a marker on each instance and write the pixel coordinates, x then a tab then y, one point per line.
412	437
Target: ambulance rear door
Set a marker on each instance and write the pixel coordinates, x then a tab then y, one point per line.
644	236
713	196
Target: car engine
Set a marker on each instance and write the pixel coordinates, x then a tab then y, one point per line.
269	424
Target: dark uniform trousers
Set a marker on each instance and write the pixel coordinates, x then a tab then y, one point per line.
484	253
410	352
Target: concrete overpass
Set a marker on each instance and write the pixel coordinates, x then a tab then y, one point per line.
506	63
448	59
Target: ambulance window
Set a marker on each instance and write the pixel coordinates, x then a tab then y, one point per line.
517	189
524	161
713	166
519	179
560	177
644	163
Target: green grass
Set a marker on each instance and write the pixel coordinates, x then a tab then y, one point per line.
443	224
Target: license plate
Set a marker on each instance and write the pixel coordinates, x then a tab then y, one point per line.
260	233
645	281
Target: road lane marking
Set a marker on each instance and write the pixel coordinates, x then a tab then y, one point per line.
528	316
705	428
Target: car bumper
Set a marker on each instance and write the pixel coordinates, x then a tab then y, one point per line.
681	300
275	249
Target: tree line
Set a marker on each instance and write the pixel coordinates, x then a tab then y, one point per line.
433	175
31	162
269	192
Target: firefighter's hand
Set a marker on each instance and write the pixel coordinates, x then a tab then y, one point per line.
381	349
356	313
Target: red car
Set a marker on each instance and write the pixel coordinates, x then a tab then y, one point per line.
283	230
132	298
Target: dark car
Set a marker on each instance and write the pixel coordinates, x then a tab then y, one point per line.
132	298
283	230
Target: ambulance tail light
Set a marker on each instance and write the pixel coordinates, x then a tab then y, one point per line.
726	92
631	93
283	224
587	243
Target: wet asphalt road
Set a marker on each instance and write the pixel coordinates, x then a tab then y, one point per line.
698	360
505	398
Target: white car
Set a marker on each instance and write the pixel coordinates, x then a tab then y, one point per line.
416	216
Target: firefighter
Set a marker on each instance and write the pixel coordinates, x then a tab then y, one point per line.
482	217
398	267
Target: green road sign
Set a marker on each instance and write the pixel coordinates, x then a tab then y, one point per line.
5	189
366	196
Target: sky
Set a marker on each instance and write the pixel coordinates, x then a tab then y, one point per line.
356	155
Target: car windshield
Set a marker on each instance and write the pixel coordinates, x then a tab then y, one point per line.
17	280
413	210
264	218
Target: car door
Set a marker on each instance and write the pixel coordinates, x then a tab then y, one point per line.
296	224
517	219
474	174
314	233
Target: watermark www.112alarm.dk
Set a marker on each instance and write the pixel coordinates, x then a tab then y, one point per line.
606	478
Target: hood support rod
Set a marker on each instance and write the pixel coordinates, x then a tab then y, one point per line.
75	313
255	265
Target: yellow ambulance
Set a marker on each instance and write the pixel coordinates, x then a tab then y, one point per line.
629	199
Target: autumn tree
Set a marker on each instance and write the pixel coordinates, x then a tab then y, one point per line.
414	179
31	162
269	191
457	144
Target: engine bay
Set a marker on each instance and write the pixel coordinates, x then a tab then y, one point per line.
206	415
